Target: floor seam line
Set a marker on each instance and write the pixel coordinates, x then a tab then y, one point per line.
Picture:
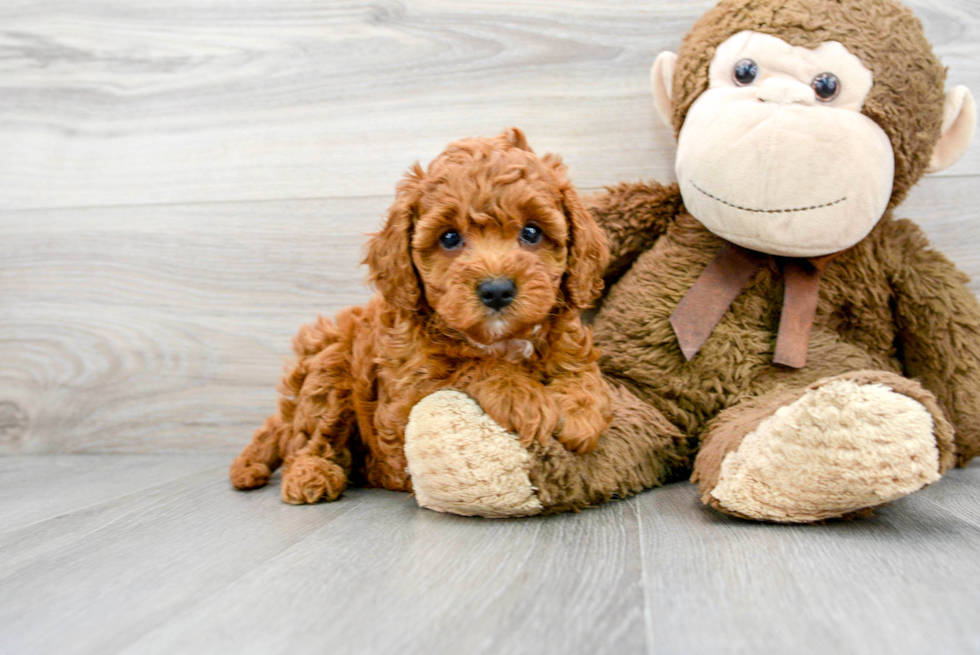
647	625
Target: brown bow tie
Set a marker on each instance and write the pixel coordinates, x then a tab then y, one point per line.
729	272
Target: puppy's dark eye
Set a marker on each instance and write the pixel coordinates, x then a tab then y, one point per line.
450	240
826	86
745	72
531	234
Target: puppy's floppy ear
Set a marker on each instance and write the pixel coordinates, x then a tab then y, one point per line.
588	251
389	252
515	138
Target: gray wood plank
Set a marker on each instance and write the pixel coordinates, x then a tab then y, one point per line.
193	566
959	493
33	489
93	580
164	328
396	579
119	102
901	582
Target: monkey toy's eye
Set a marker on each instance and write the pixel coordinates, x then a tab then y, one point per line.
450	240
826	86
745	72
531	234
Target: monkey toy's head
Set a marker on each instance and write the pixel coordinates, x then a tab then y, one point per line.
801	122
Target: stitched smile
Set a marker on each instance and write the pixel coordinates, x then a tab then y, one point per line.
769	211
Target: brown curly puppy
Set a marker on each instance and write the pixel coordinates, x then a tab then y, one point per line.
483	268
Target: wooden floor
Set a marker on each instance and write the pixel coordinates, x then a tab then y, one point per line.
184	183
157	554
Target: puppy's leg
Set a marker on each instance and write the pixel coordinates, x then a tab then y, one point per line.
517	404
585	407
320	470
318	457
252	468
313	385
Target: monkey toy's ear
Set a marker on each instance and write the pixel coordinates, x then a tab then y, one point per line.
959	126
662	80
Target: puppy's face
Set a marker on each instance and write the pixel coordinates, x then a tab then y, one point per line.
490	237
490	245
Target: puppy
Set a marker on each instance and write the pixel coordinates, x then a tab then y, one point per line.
483	267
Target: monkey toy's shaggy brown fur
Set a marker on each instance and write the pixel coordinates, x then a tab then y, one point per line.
889	396
522	353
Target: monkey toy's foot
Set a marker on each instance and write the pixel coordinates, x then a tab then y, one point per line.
463	462
844	444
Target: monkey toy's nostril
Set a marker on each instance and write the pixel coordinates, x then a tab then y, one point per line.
786	92
498	293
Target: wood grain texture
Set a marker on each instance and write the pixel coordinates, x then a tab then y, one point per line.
902	582
39	490
194	566
92	581
191	566
122	102
164	328
429	583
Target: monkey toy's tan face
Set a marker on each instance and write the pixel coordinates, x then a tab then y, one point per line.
776	155
491	259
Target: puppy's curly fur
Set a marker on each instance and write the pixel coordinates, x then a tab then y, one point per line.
530	364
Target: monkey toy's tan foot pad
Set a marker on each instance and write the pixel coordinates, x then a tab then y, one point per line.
844	444
463	462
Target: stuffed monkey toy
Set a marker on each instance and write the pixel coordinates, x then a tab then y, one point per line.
812	355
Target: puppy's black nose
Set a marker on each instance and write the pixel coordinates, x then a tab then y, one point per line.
498	293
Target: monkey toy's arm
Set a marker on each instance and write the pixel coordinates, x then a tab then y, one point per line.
939	331
633	216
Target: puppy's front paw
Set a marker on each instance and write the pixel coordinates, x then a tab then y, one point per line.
580	430
246	474
307	479
528	411
586	413
534	417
